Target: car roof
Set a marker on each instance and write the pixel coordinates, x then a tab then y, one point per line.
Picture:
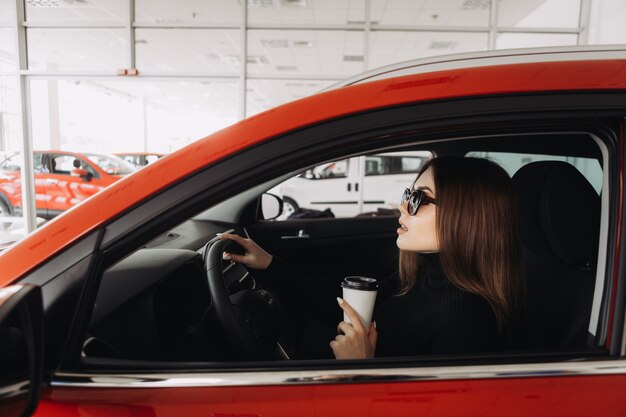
596	72
486	58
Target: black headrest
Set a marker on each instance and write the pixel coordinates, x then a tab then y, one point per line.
559	211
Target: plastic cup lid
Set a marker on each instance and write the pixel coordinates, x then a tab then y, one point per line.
360	283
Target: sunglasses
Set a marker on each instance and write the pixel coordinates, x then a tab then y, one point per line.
416	198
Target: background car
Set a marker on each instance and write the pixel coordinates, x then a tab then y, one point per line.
140	159
140	314
353	186
62	180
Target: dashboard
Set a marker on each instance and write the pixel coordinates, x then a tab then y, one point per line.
156	305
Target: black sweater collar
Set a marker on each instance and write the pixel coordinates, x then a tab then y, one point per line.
431	273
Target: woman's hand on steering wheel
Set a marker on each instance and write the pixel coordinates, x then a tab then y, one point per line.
255	257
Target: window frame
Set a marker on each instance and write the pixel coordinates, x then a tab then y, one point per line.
146	221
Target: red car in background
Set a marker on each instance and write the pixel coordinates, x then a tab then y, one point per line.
140	159
124	306
62	180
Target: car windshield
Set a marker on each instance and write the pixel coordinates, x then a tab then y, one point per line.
111	164
11	162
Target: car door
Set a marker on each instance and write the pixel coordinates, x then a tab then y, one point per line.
333	186
21	349
507	384
11	184
64	190
365	241
383	175
40	164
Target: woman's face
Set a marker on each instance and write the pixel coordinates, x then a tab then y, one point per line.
419	233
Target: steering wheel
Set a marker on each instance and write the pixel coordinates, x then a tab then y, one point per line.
253	320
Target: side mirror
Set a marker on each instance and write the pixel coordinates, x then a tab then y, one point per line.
21	349
81	173
271	206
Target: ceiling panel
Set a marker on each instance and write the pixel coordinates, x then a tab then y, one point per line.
262	95
306	11
534	40
65	11
7	12
304	52
207	51
391	47
539	13
77	49
431	12
227	12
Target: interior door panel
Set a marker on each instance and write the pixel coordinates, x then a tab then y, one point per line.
333	248
326	250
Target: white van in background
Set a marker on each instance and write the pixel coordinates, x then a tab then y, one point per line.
354	186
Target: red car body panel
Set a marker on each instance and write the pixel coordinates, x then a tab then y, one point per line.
546	396
490	80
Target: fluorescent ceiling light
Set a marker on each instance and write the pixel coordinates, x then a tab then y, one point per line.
476	4
259	4
258	59
442	45
42	3
302	44
298	3
275	43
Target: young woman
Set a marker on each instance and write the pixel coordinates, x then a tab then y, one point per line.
459	287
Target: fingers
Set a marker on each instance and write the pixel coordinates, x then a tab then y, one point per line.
336	343
352	314
233	257
245	243
345	328
372	335
255	257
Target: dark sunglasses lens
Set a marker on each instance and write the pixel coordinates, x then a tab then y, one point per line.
405	195
414	202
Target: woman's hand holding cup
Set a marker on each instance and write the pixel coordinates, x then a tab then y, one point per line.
353	340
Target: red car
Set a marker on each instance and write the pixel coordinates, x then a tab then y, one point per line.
140	159
124	305
62	180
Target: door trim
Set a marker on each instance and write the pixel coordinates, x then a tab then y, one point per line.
371	375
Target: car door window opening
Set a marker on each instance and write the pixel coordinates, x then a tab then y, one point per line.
99	344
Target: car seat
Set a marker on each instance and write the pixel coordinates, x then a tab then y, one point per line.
560	222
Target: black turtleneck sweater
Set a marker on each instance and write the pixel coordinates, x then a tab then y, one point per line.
434	317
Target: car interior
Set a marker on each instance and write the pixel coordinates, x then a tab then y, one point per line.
175	298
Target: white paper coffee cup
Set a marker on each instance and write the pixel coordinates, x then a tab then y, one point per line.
360	293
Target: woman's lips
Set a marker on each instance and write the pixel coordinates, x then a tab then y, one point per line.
402	228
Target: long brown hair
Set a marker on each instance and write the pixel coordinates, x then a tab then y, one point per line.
477	232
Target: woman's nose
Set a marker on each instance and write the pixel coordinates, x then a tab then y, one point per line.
402	208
